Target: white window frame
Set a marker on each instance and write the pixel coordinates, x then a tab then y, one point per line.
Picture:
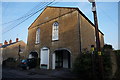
55	31
37	36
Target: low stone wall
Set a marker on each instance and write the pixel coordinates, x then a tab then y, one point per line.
117	73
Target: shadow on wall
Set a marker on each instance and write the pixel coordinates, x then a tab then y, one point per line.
11	62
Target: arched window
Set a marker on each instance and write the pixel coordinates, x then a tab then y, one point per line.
38	36
55	31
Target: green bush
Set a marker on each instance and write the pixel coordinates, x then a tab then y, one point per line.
82	65
107	46
107	64
87	65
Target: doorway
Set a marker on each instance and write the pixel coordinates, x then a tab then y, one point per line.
44	58
61	59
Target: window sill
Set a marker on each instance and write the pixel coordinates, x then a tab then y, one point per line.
54	40
37	43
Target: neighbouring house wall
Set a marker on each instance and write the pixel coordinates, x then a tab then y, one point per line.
12	50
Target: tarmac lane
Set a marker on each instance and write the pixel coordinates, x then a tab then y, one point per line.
36	74
15	74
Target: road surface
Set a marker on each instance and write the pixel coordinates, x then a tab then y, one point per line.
8	73
33	74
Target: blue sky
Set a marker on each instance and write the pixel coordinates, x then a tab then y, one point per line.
119	26
107	17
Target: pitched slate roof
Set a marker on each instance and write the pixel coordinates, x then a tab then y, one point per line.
3	46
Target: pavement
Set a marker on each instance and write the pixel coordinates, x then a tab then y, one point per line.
41	74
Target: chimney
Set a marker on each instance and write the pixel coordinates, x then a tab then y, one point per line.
5	43
17	39
10	41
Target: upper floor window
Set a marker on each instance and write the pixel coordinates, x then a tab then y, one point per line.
55	29
37	36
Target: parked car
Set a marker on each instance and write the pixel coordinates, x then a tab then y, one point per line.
28	63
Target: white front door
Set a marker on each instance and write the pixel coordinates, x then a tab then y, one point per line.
44	58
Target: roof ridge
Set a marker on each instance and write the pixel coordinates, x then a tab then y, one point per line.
62	7
3	46
70	8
